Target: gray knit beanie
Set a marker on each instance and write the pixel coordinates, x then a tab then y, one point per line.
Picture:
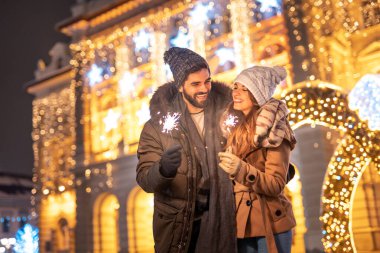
261	81
182	62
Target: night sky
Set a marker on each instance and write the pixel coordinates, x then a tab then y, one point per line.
27	34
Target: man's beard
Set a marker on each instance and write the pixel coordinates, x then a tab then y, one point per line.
193	100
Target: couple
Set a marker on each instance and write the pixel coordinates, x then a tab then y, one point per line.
207	200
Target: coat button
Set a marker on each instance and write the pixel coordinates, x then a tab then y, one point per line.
251	177
278	212
248	202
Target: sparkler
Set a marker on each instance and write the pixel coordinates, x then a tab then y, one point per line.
230	122
169	122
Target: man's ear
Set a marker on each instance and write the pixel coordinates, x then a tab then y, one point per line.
180	89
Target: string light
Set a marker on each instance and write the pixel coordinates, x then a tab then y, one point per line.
53	141
197	28
158	67
240	23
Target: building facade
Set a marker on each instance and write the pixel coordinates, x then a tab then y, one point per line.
92	100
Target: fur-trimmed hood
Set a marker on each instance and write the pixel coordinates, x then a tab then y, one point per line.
162	100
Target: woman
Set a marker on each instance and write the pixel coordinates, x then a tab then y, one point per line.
257	159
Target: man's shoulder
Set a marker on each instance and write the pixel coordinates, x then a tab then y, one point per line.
221	90
150	127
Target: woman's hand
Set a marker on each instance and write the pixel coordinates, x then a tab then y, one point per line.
230	163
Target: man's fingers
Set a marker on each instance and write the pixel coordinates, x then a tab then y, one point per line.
173	149
176	159
174	155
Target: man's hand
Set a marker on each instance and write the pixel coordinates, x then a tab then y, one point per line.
170	161
230	163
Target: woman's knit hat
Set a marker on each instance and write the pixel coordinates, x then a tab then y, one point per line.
182	62
261	81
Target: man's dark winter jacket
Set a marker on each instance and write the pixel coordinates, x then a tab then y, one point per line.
174	198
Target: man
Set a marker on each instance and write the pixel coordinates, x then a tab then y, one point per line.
193	198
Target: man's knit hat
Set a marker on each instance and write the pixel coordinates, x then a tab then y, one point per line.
182	62
261	81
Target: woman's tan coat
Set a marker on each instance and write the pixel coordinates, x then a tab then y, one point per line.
264	176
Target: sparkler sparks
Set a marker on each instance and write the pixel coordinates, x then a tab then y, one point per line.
230	122
170	122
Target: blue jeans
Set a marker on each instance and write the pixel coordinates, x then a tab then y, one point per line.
259	244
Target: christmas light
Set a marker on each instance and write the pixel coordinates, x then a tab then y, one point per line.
127	83
159	67
95	75
365	97
197	25
111	121
142	40
225	55
199	14
27	240
267	5
181	40
240	23
143	114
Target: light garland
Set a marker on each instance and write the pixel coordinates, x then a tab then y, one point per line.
93	174
323	104
197	25
54	142
158	68
240	23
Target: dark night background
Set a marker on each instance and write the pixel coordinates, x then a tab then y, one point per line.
27	34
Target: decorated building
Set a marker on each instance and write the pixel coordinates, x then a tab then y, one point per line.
92	100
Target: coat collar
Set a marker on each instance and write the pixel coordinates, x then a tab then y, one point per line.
164	97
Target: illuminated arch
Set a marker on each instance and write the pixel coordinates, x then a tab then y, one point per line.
106	216
139	221
325	104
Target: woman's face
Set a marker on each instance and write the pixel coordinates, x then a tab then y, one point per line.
242	98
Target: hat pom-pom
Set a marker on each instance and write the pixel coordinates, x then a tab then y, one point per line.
281	71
